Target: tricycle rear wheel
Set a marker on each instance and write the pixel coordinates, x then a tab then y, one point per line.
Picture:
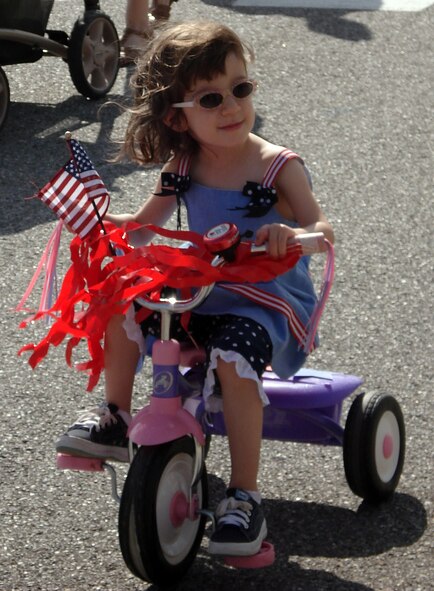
159	539
374	446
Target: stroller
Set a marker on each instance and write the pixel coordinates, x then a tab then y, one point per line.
91	50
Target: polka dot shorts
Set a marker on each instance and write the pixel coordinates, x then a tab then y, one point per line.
225	332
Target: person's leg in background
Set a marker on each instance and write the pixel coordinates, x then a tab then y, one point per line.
139	18
161	9
137	32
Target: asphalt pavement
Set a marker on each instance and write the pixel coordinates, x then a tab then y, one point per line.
351	91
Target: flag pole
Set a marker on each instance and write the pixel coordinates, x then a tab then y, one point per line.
68	138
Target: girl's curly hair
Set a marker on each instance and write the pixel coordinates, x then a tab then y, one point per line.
180	55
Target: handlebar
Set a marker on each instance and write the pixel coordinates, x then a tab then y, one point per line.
311	243
173	305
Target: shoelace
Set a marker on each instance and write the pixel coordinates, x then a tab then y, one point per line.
105	417
233	512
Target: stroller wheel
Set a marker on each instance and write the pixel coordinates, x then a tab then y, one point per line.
93	54
4	97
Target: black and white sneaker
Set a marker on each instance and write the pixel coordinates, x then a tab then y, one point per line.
240	525
99	433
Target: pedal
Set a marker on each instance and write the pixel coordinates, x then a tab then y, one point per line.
82	464
265	557
67	462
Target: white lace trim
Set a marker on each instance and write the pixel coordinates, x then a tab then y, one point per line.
133	330
213	402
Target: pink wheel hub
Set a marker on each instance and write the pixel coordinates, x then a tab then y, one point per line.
181	509
387	446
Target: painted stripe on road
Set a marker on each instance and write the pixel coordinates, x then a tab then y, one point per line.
398	5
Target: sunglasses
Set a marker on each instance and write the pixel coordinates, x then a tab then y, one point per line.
213	99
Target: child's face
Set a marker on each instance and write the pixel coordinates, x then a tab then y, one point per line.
229	124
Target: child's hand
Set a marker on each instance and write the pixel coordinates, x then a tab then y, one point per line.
276	236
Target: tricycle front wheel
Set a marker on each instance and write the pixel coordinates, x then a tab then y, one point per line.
374	446
160	528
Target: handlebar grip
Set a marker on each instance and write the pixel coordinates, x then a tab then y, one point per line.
311	243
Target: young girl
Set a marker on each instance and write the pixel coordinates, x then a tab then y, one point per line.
194	111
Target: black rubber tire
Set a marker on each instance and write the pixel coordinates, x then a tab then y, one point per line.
93	54
208	439
374	446
152	547
5	97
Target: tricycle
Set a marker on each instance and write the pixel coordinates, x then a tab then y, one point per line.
164	502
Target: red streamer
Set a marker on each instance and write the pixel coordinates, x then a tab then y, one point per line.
99	285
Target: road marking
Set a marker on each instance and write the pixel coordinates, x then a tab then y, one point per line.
398	5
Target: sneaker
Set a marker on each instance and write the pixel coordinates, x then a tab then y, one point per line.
240	525
99	433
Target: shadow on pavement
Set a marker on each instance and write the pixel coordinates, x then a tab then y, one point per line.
325	22
212	575
334	24
32	149
311	529
299	529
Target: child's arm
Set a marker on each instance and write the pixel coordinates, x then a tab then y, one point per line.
155	210
296	203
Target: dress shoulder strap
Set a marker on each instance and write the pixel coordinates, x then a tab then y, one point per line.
279	160
184	165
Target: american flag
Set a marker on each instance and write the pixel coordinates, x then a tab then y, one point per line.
76	191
